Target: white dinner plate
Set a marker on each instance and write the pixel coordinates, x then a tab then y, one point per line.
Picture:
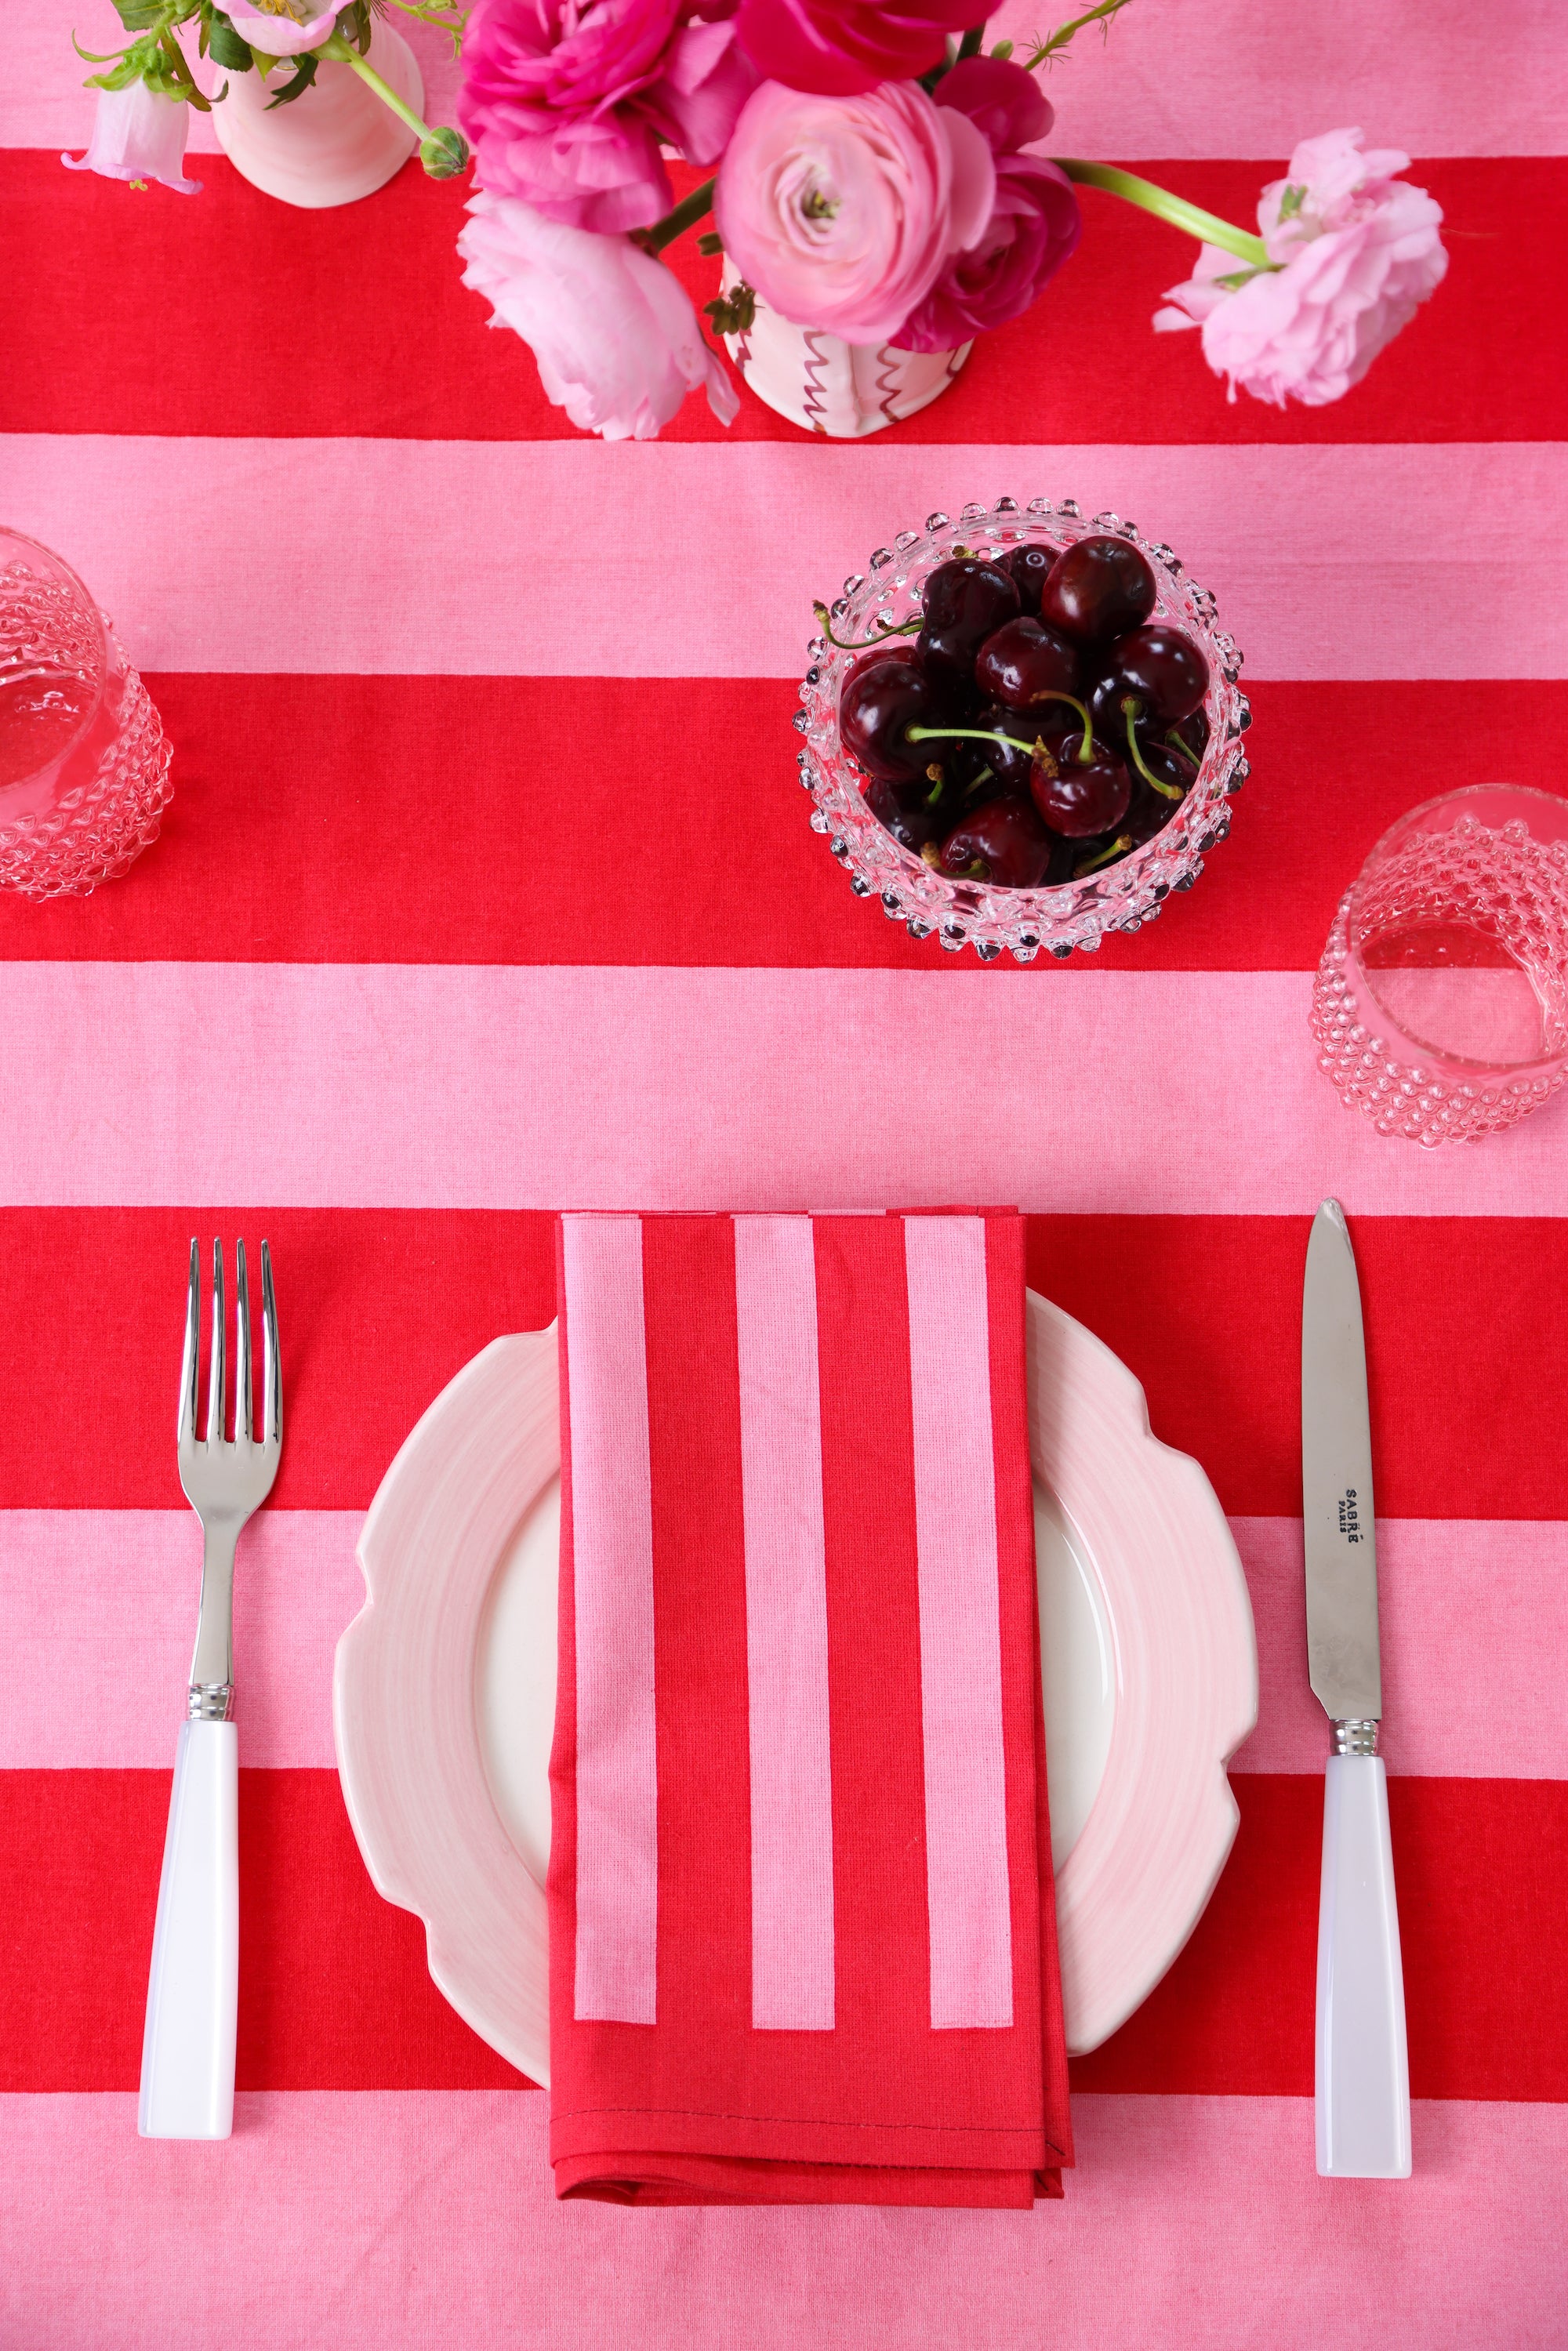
445	1693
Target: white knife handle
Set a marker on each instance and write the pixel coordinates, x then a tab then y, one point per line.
1362	2074
188	2049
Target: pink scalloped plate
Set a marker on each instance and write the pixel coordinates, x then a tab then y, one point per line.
445	1692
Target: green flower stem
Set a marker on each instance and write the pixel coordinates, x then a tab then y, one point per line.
685	215
340	50
1191	219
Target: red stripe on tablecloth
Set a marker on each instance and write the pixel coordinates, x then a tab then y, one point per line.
661	821
384	338
380	1308
334	1992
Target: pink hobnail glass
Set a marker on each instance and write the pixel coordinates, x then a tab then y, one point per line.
1122	896
84	763
1440	1006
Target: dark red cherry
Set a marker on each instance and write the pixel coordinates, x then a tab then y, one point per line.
964	600
1004	841
883	695
1147	813
1097	589
1078	797
1008	761
1162	666
1194	733
1025	664
1028	566
1166	767
913	813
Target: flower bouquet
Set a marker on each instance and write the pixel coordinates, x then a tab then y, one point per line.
881	192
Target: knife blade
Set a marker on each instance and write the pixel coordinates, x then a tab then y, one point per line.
1362	2074
1336	1481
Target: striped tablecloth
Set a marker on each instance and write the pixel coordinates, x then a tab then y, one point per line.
488	889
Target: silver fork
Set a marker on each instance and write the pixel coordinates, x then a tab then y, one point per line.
188	2048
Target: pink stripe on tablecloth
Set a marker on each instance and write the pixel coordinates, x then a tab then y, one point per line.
960	1636
786	1626
1227	78
105	1602
617	1883
1473	1615
109	2239
1290	539
707	1090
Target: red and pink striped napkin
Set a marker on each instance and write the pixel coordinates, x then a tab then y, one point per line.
798	1952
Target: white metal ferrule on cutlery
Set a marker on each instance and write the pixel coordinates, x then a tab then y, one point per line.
1363	2076
188	2047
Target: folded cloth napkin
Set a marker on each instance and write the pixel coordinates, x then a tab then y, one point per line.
799	1824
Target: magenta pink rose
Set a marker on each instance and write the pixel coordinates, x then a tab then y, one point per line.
614	333
841	48
1034	224
840	212
566	102
1355	252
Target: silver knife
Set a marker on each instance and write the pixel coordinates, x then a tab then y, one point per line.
1362	2074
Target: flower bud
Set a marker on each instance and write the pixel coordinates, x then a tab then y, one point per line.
443	153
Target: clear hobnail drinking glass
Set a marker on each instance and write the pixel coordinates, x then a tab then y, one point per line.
1440	1006
84	763
1122	896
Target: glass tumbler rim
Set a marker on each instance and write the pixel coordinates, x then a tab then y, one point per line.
11	536
1402	828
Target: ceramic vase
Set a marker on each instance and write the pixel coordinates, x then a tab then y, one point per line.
333	144
841	390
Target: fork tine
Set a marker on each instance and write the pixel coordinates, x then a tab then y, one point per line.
243	1422
271	1367
185	1429
215	1371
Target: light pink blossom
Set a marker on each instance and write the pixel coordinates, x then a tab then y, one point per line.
842	212
1357	251
614	333
567	102
281	31
136	134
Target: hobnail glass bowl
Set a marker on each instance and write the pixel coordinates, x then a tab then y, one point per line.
1119	897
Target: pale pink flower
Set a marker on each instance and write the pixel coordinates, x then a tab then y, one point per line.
1357	250
568	102
286	30
138	134
615	335
842	212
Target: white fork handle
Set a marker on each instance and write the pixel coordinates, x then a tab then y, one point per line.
188	2049
1363	2076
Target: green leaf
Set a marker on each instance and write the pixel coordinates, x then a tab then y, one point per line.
138	15
710	243
120	77
304	75
733	314
1290	203
225	44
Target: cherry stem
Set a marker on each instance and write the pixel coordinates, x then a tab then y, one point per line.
1132	711
858	645
1177	744
1206	227
1118	847
1084	753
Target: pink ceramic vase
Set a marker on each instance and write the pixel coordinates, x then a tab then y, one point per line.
336	143
841	390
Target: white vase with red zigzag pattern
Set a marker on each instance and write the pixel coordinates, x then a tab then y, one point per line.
842	391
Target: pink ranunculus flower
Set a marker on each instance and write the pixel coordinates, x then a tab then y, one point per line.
1357	250
842	48
615	335
287	28
138	134
1034	224
840	212
566	102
